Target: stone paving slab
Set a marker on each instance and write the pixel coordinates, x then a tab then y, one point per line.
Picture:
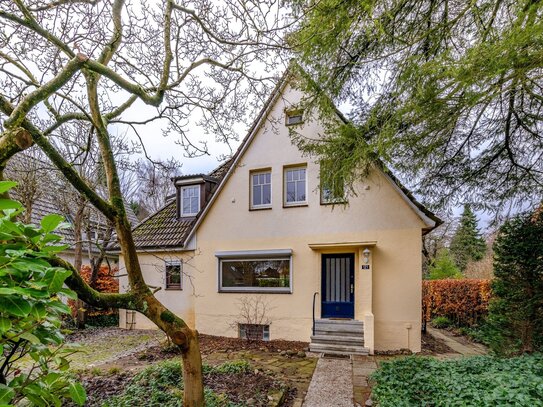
363	366
331	385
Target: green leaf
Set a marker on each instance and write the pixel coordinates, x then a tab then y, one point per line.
6	395
50	222
30	338
15	306
56	278
9	204
6	186
5	324
77	393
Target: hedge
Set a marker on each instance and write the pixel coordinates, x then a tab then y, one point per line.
106	282
464	302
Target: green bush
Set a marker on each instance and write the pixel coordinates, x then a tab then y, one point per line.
444	267
161	385
441	322
474	381
31	311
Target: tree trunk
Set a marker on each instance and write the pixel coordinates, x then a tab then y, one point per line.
192	373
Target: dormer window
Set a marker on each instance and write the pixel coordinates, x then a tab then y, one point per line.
294	117
190	200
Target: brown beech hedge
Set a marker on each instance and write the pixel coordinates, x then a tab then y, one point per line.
463	302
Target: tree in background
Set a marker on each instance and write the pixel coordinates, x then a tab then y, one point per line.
467	244
447	92
443	266
516	310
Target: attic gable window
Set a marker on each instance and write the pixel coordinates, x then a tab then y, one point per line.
294	117
190	200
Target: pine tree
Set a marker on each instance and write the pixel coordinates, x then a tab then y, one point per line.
467	243
516	310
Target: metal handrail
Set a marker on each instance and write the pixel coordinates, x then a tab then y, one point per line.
314	296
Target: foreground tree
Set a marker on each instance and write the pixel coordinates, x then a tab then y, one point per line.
516	311
446	91
467	244
67	64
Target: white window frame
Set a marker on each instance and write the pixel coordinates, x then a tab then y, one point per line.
251	185
173	263
255	255
183	214
285	195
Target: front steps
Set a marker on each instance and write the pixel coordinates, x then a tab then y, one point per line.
338	337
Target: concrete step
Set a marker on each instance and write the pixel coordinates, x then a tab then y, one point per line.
337	340
338	349
349	329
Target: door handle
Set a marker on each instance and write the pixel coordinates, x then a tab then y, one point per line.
352	288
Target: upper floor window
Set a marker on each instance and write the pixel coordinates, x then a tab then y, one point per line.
294	117
261	189
190	200
295	185
332	193
173	275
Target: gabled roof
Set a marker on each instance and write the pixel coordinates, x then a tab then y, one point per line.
164	230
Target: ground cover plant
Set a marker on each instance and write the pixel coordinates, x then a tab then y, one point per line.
158	385
474	381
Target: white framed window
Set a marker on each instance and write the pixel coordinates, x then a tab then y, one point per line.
261	194
295	189
174	274
190	200
294	117
265	272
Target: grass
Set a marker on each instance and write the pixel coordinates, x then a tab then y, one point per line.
474	381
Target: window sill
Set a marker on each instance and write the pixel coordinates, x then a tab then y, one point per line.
254	291
295	205
342	202
257	208
173	289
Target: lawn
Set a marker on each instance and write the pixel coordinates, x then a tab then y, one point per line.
470	381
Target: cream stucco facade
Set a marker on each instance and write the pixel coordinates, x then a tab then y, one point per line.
378	217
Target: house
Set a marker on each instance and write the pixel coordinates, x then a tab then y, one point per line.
256	246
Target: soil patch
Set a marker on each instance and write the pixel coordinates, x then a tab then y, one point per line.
434	346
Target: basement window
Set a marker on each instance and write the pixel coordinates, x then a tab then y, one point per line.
254	332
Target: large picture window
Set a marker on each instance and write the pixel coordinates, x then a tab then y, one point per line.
190	200
261	190
262	274
295	186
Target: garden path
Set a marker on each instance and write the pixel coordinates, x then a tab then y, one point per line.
462	349
331	385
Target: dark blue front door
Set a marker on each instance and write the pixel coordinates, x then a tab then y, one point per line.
338	285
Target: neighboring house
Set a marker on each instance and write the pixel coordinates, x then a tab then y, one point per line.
38	195
258	231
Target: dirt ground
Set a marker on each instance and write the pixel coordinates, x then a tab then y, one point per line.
113	356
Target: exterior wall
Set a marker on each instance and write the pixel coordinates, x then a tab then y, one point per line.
179	302
387	296
378	213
